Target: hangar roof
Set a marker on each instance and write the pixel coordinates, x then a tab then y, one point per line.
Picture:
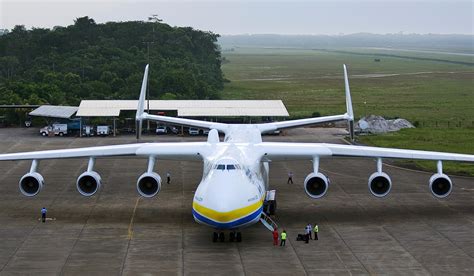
187	108
54	111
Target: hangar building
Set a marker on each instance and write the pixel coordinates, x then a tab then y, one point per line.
210	110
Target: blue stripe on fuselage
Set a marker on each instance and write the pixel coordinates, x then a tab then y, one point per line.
229	225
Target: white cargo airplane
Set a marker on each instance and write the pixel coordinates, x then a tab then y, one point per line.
235	175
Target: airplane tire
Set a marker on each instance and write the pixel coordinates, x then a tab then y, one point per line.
214	237
221	237
239	237
232	236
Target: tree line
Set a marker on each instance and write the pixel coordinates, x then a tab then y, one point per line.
86	60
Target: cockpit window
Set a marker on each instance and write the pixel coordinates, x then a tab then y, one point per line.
229	167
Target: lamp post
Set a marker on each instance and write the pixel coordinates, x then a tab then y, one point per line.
153	18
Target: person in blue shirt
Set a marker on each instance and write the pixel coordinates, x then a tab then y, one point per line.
43	214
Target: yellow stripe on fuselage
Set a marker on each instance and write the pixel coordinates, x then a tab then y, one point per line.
224	217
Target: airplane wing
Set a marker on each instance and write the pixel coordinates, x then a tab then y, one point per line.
290	151
316	184
88	183
348	116
168	151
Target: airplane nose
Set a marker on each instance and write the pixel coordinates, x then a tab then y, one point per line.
225	203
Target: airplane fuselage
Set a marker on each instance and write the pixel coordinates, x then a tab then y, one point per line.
234	183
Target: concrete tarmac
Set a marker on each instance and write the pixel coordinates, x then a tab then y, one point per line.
115	232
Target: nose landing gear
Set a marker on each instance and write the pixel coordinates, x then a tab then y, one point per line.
233	237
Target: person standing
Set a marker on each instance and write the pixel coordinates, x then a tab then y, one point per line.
306	232
275	236
43	214
168	177
283	238
290	178
316	230
310	230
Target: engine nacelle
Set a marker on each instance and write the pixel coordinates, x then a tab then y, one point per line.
440	185
380	184
88	183
31	184
149	184
316	185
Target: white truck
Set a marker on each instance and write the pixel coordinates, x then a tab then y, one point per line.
54	129
103	130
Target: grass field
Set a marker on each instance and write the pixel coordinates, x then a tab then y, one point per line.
437	94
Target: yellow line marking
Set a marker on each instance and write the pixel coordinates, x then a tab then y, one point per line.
130	231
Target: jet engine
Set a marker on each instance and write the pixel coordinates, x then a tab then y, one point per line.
380	184
440	185
31	184
149	184
316	185
88	183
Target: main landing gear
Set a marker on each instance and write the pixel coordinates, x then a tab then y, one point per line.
233	236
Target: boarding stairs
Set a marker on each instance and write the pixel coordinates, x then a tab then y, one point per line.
268	222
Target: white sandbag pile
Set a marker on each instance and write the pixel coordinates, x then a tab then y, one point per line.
377	124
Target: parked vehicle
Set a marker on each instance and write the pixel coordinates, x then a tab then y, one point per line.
54	129
87	131
128	130
103	130
174	130
161	130
193	131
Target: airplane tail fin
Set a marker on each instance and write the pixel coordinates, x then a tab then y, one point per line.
142	115
348	116
350	110
141	105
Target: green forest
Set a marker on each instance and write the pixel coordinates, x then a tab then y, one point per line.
86	60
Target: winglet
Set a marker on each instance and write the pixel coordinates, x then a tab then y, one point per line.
141	105
350	111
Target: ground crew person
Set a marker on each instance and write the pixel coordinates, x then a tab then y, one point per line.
310	230
307	230
316	230
275	236
168	177
290	178
43	214
283	238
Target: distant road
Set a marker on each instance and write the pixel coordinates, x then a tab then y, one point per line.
397	56
420	51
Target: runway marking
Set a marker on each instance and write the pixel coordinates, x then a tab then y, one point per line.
130	231
130	235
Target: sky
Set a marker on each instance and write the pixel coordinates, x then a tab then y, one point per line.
256	17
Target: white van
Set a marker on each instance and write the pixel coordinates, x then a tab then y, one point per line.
103	130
